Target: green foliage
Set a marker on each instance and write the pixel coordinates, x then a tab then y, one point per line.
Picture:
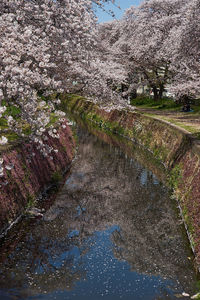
69	101
30	201
189	224
119	130
108	126
175	176
11	136
3	124
142	100
13	111
197	135
196	297
196	105
56	178
156	152
198	289
53	119
162	104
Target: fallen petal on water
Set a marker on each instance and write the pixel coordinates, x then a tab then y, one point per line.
185	294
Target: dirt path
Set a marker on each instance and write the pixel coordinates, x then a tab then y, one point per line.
188	120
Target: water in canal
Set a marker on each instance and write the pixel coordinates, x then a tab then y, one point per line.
112	233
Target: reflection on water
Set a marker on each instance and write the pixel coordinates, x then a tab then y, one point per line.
111	234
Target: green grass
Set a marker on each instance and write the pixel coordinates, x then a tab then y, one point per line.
182	125
196	105
190	129
164	104
168	105
148	102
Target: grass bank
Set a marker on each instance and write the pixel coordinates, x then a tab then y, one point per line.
168	110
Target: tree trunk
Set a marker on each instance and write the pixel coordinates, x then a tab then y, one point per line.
186	103
155	93
161	91
133	94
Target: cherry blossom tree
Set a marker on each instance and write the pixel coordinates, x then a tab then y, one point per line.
149	27
156	46
104	72
40	42
115	53
184	51
44	46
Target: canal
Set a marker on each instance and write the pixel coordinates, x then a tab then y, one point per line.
113	232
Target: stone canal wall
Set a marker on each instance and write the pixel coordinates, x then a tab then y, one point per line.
173	146
31	174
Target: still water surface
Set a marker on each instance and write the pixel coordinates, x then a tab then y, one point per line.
112	233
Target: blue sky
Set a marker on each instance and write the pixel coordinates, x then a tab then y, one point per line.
124	4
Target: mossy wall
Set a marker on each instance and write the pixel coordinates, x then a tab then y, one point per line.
164	140
31	174
175	148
